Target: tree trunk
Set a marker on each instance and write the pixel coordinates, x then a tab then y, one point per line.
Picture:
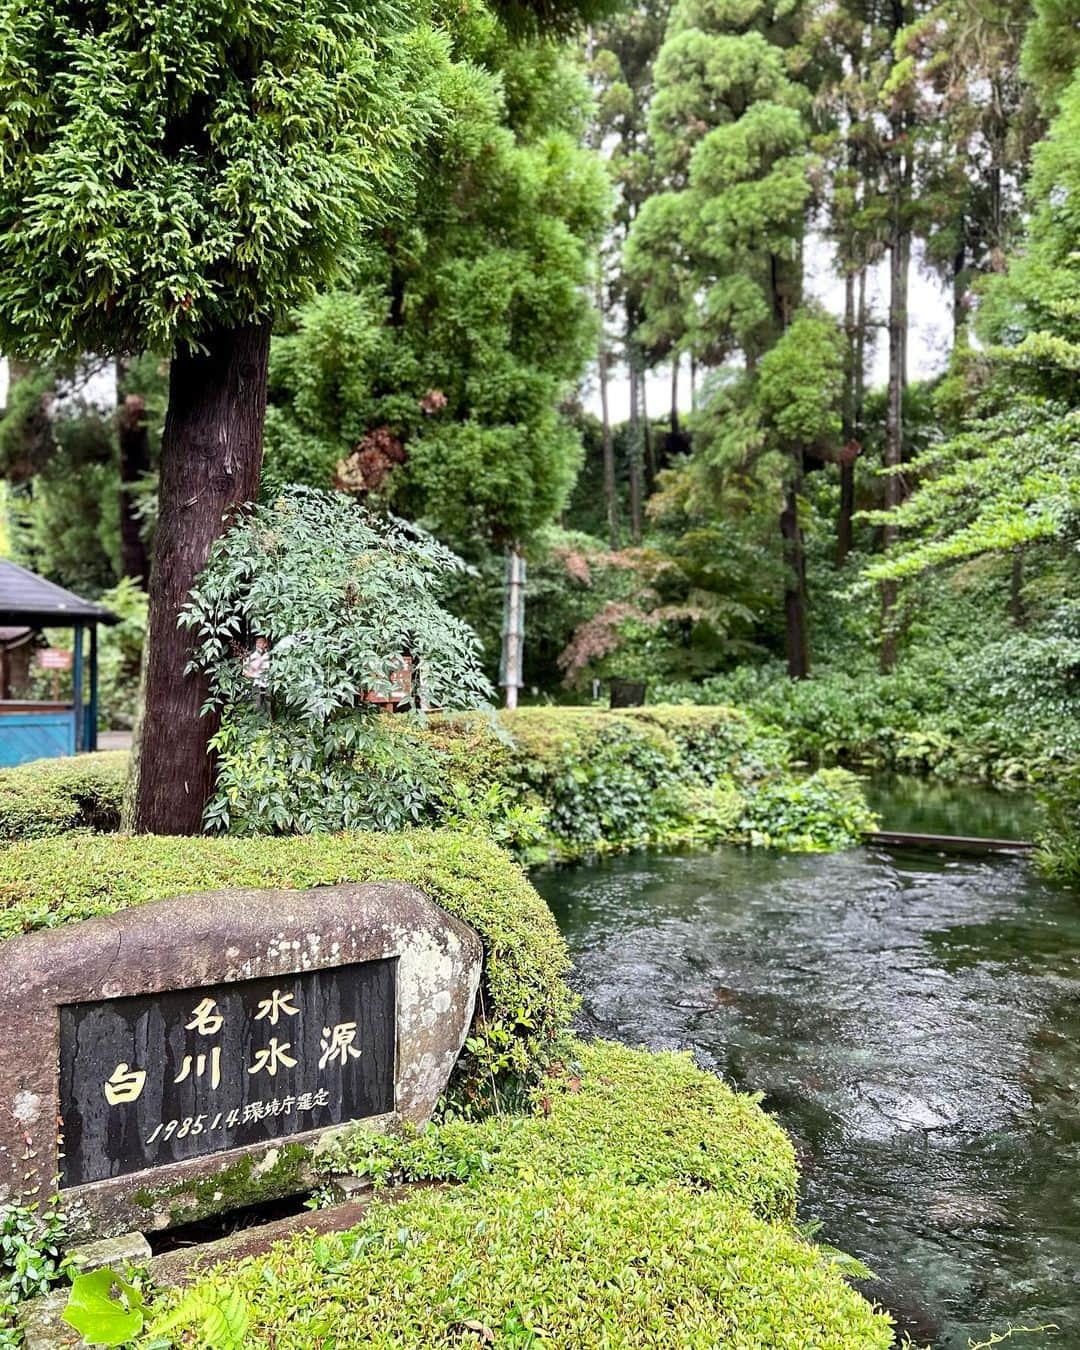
675	363
635	451
608	442
795	626
211	458
847	466
134	442
861	324
899	261
650	448
959	294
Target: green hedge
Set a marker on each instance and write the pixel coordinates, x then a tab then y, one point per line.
526	1004
52	796
539	781
591	1224
601	780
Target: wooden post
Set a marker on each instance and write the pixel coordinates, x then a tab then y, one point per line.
513	627
91	716
77	685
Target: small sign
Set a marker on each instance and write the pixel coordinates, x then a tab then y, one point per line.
159	1078
54	658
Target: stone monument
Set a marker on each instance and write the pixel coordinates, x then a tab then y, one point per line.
189	1056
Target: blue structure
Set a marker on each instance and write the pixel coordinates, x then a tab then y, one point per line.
40	730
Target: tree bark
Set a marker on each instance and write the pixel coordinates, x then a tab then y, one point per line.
899	263
650	449
211	459
959	294
134	442
796	635
635	450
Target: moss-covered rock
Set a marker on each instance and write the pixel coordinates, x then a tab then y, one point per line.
638	1117
525	1004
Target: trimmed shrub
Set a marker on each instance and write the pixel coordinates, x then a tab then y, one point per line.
590	1224
526	1005
586	1119
568	781
51	796
603	780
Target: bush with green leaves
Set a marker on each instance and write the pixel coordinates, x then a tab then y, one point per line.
1001	712
345	599
609	780
32	1261
587	1223
525	1006
824	811
1058	854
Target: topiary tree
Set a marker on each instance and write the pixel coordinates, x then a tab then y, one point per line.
174	176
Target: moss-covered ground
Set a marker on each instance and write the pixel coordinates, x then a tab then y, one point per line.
639	1203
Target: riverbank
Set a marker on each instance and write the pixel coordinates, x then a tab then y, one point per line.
585	1223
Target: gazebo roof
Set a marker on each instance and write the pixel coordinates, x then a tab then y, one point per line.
27	599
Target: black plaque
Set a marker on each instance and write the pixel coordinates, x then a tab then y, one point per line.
158	1078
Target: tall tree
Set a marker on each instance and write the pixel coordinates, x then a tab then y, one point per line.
437	387
621	57
731	142
174	178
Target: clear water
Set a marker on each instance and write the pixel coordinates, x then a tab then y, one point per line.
913	1021
923	806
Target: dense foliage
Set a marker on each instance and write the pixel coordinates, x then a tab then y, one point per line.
346	602
597	1224
284	131
435	383
32	1261
541	782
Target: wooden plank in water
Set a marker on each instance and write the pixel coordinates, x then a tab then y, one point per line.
947	843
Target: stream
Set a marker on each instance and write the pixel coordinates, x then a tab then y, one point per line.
913	1021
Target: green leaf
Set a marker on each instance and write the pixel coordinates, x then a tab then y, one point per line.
97	1316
